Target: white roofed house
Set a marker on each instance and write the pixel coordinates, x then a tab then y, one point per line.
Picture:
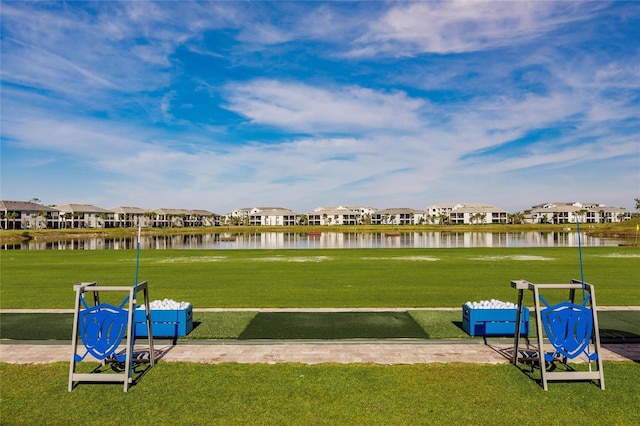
439	213
572	211
466	213
27	215
398	216
203	218
607	214
262	216
168	218
340	215
85	216
129	217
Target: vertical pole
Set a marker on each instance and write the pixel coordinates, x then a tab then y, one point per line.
74	339
516	339
152	357
540	327
137	256
128	363
132	306
596	332
580	255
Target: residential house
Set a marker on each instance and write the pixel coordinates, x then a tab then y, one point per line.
398	216
129	217
27	215
340	215
572	211
168	218
85	216
261	216
272	216
203	218
467	213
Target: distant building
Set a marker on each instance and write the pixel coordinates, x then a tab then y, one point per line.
128	217
261	216
466	213
399	216
27	215
203	218
340	215
85	216
31	215
572	211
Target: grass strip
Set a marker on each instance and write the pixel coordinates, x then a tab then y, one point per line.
295	394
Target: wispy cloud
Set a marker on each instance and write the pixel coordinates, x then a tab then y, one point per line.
465	26
303	108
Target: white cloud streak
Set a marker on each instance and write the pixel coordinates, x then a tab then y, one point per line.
303	108
465	26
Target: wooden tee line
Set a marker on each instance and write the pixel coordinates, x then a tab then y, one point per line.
542	358
100	330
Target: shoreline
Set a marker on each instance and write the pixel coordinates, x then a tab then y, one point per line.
625	230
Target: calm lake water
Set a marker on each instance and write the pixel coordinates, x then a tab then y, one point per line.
330	240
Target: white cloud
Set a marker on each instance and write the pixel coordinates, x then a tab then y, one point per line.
303	108
465	26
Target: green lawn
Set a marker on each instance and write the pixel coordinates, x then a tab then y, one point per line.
295	394
317	278
228	394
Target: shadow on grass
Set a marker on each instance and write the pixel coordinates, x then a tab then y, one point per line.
333	325
619	326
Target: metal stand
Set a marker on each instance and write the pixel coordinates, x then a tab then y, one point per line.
569	374
101	332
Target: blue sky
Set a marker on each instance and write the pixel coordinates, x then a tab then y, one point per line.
221	105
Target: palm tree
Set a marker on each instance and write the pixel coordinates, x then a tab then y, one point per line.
103	219
75	216
12	217
149	216
40	223
580	214
516	218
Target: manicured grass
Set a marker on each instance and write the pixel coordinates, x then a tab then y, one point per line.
317	278
295	394
219	325
440	324
615	326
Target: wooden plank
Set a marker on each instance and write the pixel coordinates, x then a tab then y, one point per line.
573	375
94	377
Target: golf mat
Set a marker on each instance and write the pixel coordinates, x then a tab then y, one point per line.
333	325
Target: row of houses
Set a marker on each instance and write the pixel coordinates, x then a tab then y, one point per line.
32	215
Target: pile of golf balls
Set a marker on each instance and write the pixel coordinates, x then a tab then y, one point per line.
491	304
167	305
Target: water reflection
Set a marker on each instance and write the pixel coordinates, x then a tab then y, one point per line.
290	240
